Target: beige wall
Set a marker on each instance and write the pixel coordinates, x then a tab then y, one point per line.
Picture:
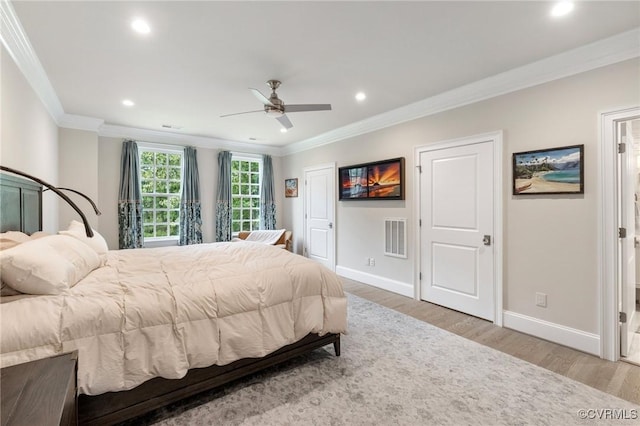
28	135
108	183
358	224
78	170
109	150
550	242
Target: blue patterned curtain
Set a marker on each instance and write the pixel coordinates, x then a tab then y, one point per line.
267	199
190	208
129	199
223	200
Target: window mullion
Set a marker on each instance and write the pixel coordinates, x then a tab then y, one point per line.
163	168
245	189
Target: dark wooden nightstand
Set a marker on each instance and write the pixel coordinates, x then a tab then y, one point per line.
41	392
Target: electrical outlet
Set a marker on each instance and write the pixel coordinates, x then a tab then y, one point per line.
541	300
372	262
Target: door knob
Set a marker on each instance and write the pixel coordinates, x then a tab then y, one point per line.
486	240
330	225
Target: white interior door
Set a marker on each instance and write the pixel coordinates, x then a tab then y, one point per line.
319	215
627	212
456	210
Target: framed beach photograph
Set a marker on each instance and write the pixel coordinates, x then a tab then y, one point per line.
291	187
380	180
549	171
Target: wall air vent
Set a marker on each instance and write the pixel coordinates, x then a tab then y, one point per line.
395	237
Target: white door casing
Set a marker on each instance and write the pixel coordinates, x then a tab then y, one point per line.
608	230
319	214
459	203
626	216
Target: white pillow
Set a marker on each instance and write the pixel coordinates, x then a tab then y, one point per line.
7	244
97	242
39	234
11	239
5	290
47	265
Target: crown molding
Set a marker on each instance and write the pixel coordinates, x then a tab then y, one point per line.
601	53
163	137
17	44
80	122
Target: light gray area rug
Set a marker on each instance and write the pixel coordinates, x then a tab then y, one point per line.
396	370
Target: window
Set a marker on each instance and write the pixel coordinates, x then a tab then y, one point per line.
245	193
161	185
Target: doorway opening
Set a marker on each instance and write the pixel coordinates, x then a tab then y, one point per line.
628	134
618	178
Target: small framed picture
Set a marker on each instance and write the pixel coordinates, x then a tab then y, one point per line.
549	171
291	187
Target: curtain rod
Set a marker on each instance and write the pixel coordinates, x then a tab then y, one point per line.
87	227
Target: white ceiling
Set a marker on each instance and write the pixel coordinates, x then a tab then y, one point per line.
201	57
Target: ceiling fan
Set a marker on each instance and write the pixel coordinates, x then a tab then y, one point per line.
276	108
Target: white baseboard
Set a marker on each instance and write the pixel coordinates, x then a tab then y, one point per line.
404	289
567	336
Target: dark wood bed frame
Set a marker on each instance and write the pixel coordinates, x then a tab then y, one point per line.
21	210
114	407
20	205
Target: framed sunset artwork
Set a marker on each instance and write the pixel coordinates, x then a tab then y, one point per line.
380	180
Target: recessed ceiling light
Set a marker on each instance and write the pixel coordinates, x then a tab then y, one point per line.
360	96
128	103
283	130
140	26
562	8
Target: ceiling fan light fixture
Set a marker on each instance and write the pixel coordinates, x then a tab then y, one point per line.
274	107
273	112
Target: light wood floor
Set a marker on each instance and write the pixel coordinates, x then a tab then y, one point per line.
617	378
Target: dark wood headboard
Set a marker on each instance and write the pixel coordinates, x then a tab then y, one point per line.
20	204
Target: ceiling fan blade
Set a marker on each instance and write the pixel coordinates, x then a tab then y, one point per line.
262	98
239	113
284	120
307	107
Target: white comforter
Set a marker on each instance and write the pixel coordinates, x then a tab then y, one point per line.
160	312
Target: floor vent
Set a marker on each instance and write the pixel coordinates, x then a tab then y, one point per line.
395	237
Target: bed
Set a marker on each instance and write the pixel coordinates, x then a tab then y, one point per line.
152	326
